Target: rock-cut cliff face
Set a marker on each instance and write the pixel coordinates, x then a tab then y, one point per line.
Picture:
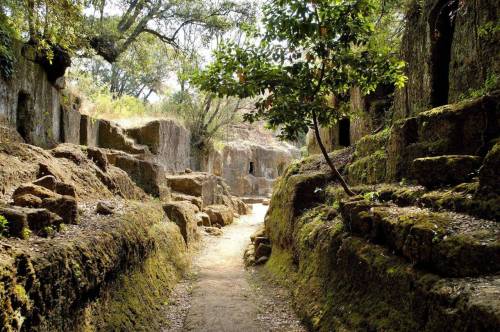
451	48
167	140
250	161
31	104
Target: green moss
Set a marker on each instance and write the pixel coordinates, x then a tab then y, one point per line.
137	298
25	233
370	144
369	170
116	276
4	226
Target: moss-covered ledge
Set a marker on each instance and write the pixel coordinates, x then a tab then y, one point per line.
110	273
345	282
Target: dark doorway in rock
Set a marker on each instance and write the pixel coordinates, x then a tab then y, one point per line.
62	134
23	114
441	27
345	132
251	168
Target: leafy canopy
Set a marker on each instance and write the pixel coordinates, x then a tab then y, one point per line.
308	56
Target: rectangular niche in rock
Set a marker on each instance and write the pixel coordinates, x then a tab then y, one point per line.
24	106
345	132
251	168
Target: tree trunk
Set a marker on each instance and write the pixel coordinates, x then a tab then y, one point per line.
335	172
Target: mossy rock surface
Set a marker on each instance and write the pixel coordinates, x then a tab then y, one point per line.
489	175
463	198
368	170
464	128
448	244
350	282
433	172
109	273
370	144
341	282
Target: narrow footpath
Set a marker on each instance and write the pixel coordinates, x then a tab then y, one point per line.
221	295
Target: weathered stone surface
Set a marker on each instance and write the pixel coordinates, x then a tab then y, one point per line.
203	219
189	184
132	258
8	133
65	189
210	188
263	249
183	214
167	140
449	244
258	233
251	168
89	131
261	260
48	181
213	231
241	207
445	58
489	174
147	175
325	263
104	208
219	214
21	164
28	200
32	189
249	255
17	221
30	103
183	197
70	152
40	219
64	206
98	156
70	127
445	170
112	136
464	129
368	170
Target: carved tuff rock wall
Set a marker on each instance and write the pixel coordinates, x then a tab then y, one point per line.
31	104
369	113
451	47
248	168
167	141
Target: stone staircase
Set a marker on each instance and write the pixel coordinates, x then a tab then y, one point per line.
446	243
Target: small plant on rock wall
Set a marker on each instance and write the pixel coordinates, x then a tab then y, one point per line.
4	226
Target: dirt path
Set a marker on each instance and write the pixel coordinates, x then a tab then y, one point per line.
222	296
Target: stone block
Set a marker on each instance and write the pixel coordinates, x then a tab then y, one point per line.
219	214
433	172
183	214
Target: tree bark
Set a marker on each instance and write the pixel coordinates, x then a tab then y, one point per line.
335	172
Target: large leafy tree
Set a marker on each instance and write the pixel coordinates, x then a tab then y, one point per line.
167	20
141	71
309	54
110	27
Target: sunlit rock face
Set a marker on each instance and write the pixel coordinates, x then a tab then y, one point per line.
167	140
250	169
250	160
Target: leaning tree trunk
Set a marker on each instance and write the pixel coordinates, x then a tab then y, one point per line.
329	161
